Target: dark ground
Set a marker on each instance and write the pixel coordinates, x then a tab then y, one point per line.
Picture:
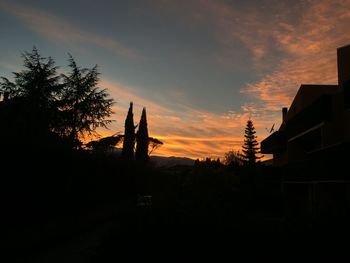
83	208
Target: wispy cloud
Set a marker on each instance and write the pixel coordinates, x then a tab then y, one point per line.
59	30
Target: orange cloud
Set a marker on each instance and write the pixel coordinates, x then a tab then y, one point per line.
310	48
290	45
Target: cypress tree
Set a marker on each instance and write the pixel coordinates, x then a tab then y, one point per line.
142	139
250	147
129	136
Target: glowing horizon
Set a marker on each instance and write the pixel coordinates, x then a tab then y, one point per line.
181	133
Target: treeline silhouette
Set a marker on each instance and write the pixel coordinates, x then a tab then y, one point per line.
57	188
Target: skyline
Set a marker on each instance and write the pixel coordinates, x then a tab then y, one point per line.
201	68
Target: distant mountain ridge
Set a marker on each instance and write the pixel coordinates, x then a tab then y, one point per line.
162	161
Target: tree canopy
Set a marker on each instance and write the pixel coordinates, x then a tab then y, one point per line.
84	106
46	103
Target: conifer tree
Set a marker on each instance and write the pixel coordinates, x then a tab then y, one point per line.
84	105
129	136
142	139
251	145
35	90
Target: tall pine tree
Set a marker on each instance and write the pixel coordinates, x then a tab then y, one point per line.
142	139
251	145
129	136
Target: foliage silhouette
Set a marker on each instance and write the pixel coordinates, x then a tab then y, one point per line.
250	147
154	144
52	106
233	159
129	136
35	91
105	144
38	82
84	107
142	139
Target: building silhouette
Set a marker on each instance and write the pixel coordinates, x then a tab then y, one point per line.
317	124
311	149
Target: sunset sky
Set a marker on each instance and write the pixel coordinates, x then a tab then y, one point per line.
200	67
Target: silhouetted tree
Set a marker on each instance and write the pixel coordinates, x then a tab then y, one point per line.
154	144
35	92
129	136
105	144
46	107
233	159
196	162
250	147
142	139
38	82
84	106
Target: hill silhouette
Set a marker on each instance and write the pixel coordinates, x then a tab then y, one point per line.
161	161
